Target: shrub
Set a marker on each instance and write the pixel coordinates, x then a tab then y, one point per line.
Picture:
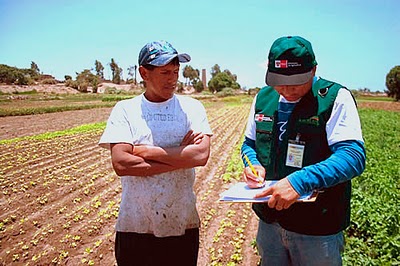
111	90
71	83
226	92
49	81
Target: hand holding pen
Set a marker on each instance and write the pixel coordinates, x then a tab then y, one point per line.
253	174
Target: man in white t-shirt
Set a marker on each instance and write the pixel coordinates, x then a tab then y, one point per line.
156	139
304	132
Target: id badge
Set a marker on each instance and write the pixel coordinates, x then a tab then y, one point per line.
295	153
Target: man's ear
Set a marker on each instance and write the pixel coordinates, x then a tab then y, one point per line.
314	70
143	72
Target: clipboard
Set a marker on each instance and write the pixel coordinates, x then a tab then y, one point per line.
241	192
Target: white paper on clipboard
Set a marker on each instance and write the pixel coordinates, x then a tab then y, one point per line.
240	192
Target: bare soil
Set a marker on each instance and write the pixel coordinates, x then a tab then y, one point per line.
29	125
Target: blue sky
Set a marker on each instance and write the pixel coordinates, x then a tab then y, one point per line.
356	42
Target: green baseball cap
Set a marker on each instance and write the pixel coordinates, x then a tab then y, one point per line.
290	61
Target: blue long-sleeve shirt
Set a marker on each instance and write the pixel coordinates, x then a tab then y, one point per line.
347	161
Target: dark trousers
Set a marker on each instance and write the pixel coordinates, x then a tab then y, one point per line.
148	250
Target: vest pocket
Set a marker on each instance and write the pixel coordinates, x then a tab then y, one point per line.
264	141
264	131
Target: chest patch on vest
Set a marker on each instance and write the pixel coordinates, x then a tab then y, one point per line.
314	120
263	118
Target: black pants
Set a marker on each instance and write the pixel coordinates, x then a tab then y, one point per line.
148	250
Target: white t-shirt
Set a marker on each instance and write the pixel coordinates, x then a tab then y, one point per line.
343	124
164	204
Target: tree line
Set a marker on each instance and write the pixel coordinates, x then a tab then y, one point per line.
93	77
19	76
86	78
219	81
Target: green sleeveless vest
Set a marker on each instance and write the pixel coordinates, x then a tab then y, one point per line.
331	211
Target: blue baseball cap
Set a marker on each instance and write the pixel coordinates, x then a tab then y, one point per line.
160	53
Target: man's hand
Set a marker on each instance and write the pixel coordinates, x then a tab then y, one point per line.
252	180
192	138
282	195
189	139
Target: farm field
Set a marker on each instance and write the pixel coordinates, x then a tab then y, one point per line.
59	195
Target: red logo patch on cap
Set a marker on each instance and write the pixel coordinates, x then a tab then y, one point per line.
281	63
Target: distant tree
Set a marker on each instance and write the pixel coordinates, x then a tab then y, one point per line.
233	76
35	68
215	70
113	66
99	69
393	83
86	79
191	75
119	78
67	77
116	72
179	86
132	74
33	72
6	74
135	68
222	80
198	85
13	75
186	72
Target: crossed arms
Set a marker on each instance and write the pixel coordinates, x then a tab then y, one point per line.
144	160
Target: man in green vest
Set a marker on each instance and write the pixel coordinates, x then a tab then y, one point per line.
303	132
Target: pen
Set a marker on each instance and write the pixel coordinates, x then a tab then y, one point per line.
252	168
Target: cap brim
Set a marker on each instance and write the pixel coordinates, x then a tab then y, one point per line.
184	58
165	59
274	79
